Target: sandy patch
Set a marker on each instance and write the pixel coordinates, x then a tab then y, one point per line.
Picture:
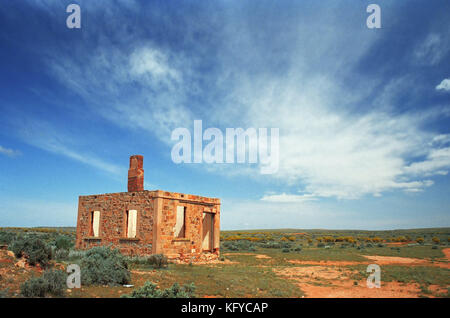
395	260
263	256
380	260
347	289
333	282
207	262
399	243
437	289
313	273
143	272
215	262
446	252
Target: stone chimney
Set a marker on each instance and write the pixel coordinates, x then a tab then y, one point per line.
136	174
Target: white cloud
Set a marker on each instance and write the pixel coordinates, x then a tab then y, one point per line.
149	61
330	152
444	85
436	163
288	198
9	152
431	50
333	141
142	88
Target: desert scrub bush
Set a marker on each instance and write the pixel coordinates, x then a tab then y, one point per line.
420	240
52	282
150	290
104	266
436	240
64	242
76	255
61	255
155	261
286	250
7	237
242	245
320	244
271	245
158	261
33	249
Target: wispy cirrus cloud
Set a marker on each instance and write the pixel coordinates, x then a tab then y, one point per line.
288	198
141	88
432	49
339	137
9	152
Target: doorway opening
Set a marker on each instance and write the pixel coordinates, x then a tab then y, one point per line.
208	231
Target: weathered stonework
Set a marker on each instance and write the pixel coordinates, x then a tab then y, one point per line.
136	174
155	223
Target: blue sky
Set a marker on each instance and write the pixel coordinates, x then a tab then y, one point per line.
363	114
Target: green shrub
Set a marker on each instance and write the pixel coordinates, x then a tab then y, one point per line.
104	266
64	242
271	245
52	282
150	290
285	250
239	245
33	249
7	237
76	255
34	287
158	260
286	244
61	254
56	281
320	244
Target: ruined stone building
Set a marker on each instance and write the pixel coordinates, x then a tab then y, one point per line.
140	222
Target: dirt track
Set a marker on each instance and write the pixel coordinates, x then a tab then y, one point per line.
332	279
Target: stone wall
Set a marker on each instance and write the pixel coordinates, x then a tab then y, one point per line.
188	248
156	217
